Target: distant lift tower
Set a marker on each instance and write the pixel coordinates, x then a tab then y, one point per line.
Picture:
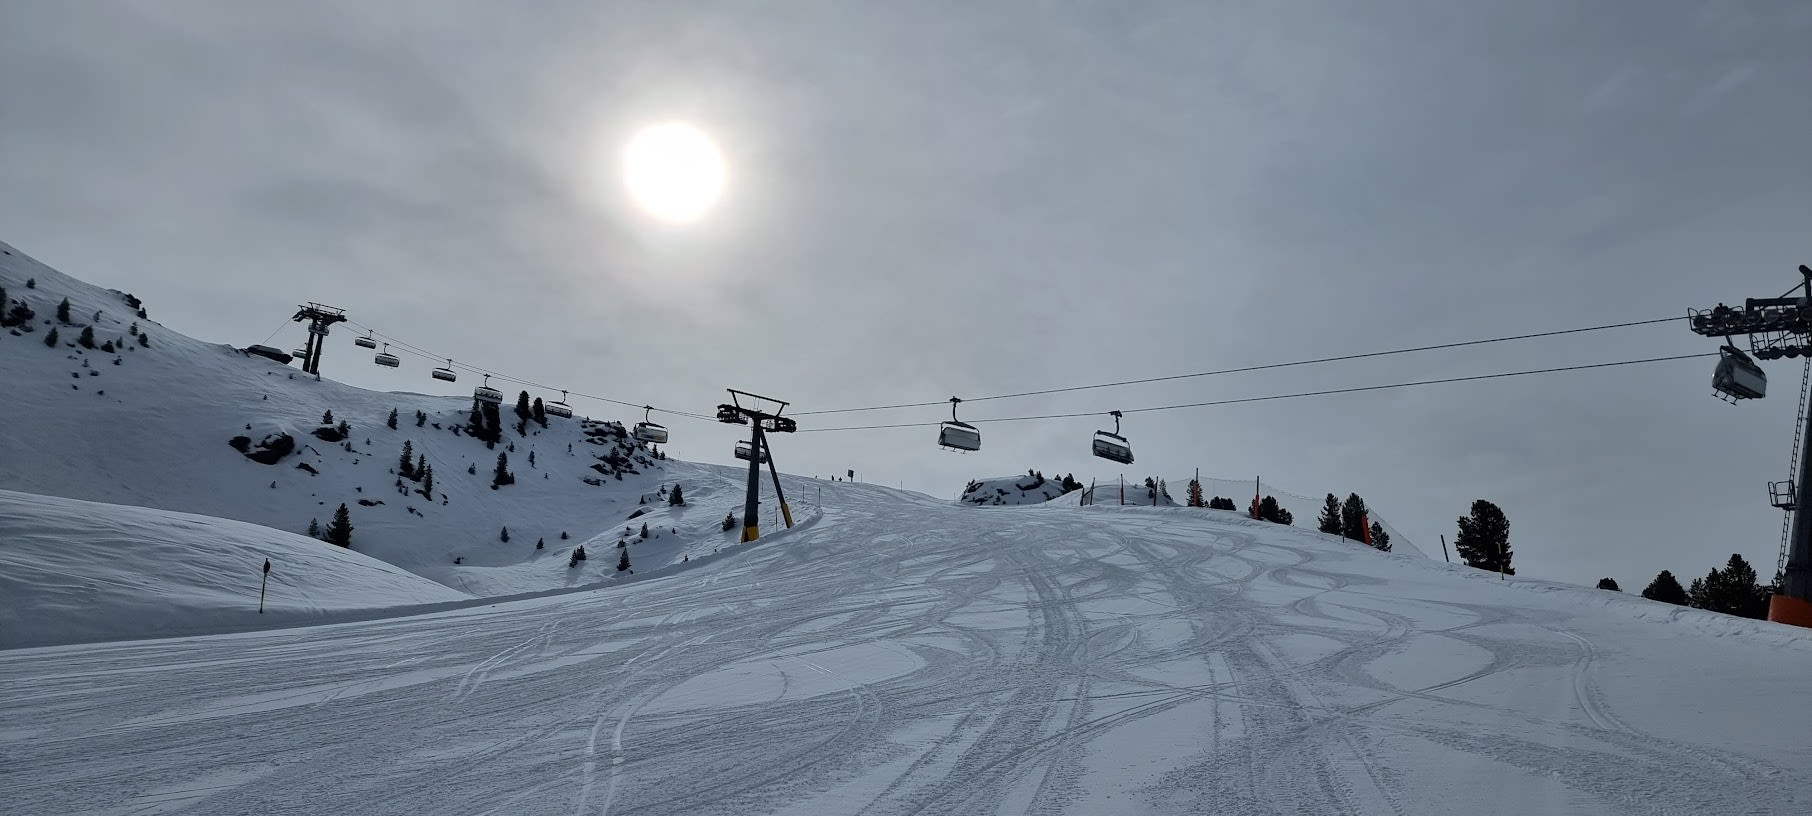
763	423
1776	327
319	317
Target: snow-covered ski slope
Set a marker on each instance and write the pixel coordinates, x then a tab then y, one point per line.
903	655
74	571
149	425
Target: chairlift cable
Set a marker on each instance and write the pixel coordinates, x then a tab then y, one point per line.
1264	367
1296	395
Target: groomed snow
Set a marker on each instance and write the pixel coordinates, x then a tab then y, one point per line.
906	655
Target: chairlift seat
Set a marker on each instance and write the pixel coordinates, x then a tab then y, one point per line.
487	395
365	342
1113	447
650	432
559	409
959	436
444	374
387	360
743	453
1739	377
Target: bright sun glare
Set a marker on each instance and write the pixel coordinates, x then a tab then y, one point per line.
674	171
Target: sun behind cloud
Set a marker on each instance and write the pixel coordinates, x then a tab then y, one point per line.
674	171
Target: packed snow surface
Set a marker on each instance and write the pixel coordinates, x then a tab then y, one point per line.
74	571
902	655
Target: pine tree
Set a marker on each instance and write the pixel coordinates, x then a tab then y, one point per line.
1352	517
345	428
405	465
1380	539
472	469
1609	583
427	479
63	311
1731	590
144	339
539	413
31	283
50	338
531	458
327	417
1484	538
3	304
339	531
539	544
421	464
562	535
1330	521
314	528
644	530
1666	589
421	418
475	422
1195	494
505	535
1270	510
392	420
493	425
623	560
678	499
86	340
502	476
522	406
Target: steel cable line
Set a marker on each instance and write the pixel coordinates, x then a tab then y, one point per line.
428	355
1242	369
1296	395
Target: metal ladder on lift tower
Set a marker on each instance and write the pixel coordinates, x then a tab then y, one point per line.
1799	430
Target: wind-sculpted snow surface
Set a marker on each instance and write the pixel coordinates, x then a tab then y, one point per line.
74	571
902	655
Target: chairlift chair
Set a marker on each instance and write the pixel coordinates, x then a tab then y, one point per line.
365	342
742	452
446	373
652	432
300	354
958	435
386	359
1112	446
559	409
728	414
486	394
1737	377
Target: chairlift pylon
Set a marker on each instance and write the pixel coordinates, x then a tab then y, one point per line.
386	359
365	342
486	394
558	408
958	435
445	373
648	430
1112	446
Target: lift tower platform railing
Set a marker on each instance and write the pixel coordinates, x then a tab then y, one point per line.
1775	327
319	317
761	424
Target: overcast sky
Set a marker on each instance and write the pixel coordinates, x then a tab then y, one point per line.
929	199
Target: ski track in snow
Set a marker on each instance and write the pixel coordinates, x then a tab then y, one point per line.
904	656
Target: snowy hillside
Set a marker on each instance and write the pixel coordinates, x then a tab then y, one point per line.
74	571
908	655
170	422
1032	488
